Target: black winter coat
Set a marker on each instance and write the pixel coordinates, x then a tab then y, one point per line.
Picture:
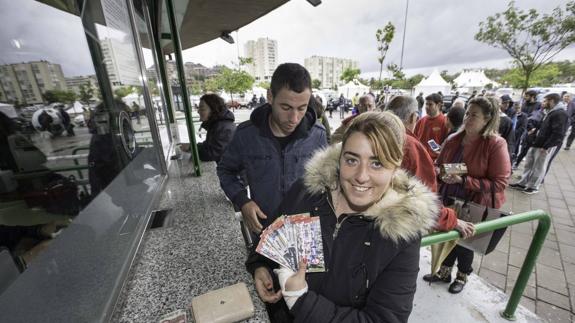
220	132
553	128
372	259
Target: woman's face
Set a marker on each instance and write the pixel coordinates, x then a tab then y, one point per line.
363	179
204	111
474	120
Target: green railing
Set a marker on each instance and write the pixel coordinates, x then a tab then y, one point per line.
530	258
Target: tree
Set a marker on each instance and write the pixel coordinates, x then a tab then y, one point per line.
544	76
123	91
51	96
349	74
384	37
315	83
86	93
234	81
531	39
396	71
265	85
211	85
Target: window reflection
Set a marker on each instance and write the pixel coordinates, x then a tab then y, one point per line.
63	140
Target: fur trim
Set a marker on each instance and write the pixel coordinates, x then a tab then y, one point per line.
408	209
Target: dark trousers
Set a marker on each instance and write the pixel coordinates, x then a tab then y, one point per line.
571	137
464	259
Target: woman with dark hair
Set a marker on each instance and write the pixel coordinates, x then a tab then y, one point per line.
219	123
480	147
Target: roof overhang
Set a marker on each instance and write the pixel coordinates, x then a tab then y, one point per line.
199	21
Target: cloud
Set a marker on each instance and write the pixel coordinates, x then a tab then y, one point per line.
440	33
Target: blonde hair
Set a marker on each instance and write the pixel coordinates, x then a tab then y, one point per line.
386	135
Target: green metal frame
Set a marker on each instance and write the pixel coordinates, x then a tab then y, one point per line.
530	258
182	79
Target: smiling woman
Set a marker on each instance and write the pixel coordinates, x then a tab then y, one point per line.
372	216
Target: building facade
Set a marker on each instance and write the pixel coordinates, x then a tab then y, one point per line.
328	70
25	83
264	55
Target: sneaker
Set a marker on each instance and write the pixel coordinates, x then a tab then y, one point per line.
515	167
458	284
530	191
567	148
517	186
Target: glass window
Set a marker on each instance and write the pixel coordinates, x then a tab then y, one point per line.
81	163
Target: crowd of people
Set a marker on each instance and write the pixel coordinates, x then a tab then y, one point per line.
375	185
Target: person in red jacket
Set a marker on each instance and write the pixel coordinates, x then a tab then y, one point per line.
433	126
485	153
417	162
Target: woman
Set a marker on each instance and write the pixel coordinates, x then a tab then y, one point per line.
219	123
479	146
372	217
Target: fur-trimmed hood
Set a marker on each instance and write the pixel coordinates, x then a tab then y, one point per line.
408	209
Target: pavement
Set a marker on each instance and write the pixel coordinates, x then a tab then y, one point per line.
550	292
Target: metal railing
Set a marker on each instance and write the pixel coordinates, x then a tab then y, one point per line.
530	258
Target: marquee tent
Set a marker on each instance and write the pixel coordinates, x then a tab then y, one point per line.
432	84
470	80
351	88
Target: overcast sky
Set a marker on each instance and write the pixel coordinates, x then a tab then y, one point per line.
439	34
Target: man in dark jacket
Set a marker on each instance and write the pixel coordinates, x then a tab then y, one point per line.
571	112
530	103
520	129
272	148
549	136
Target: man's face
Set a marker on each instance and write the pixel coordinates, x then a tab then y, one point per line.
432	108
567	98
528	98
546	104
288	109
366	103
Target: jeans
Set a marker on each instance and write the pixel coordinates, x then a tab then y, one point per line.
536	166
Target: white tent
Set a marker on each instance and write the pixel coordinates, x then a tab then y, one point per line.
75	109
471	80
8	110
432	84
351	88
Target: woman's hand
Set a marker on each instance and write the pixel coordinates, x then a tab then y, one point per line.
297	281
265	286
452	179
467	229
293	284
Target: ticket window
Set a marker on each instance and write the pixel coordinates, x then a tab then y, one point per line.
83	137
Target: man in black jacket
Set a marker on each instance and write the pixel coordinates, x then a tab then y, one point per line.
571	112
549	136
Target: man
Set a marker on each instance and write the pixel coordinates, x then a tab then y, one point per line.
420	103
417	161
571	113
433	126
272	148
530	103
549	136
507	106
355	100
342	103
366	103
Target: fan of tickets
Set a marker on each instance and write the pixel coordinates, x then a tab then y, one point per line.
289	239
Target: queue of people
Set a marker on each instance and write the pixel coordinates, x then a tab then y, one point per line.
376	188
